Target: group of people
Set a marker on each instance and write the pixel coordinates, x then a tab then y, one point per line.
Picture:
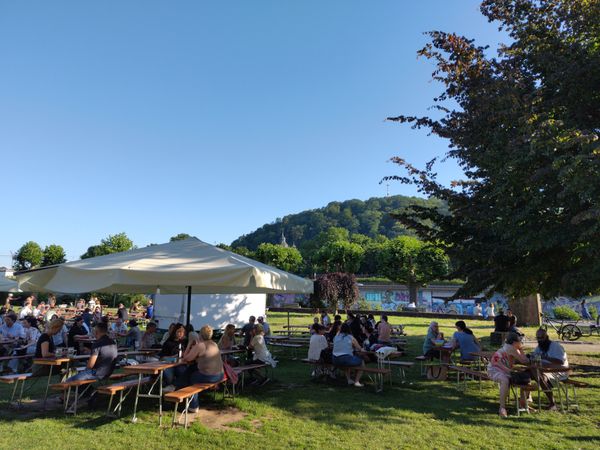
338	342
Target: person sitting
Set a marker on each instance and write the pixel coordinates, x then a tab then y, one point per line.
248	333
134	335
429	345
227	341
77	329
87	317
344	345
550	353
334	329
501	322
103	359
464	339
266	327
61	338
51	311
208	367
167	333
118	328
45	347
318	343
384	331
501	364
97	316
27	309
32	334
313	328
173	349
259	348
149	339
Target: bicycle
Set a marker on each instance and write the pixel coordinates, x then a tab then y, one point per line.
568	332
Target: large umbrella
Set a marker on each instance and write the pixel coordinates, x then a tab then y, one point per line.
176	267
8	285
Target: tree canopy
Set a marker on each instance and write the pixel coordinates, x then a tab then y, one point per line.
284	258
112	244
30	255
524	126
412	262
53	254
370	218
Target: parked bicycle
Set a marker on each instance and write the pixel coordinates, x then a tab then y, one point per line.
569	330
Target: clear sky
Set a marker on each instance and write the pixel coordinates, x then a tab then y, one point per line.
209	118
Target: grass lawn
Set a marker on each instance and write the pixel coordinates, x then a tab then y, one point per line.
295	412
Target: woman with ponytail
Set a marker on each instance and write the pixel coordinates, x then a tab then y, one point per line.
466	341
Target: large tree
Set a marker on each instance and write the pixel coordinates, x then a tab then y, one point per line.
28	256
335	288
284	258
524	125
53	254
412	262
114	243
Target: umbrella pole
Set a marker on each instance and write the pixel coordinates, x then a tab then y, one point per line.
189	306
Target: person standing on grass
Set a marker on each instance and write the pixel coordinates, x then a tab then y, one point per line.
344	345
325	320
501	364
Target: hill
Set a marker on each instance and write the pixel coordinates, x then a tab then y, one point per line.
370	217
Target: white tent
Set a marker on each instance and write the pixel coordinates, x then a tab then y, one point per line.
8	285
170	267
176	267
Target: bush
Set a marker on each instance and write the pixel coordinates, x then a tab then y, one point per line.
565	313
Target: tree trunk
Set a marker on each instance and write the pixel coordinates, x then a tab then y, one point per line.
413	290
527	309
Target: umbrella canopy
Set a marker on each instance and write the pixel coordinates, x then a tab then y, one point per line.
8	285
175	267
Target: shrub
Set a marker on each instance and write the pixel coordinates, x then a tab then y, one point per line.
565	313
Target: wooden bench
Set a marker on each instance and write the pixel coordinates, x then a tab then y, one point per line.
185	395
468	372
123	388
292	345
15	379
68	386
241	372
517	389
573	384
377	371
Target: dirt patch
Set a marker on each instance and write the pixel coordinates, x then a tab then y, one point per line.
221	419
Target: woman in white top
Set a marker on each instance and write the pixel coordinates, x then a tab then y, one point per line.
32	334
318	343
344	345
258	345
489	311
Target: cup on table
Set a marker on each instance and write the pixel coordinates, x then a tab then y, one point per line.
71	352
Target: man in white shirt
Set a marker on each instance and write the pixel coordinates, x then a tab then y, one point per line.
11	329
27	309
551	353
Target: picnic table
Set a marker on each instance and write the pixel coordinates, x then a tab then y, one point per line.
52	362
232	351
154	369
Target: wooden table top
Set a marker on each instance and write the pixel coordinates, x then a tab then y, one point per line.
151	368
50	361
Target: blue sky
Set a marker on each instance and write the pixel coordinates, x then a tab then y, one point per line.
156	117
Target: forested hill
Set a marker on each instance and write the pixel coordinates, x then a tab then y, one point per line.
370	218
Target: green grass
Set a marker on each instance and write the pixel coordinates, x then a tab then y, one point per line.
295	412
